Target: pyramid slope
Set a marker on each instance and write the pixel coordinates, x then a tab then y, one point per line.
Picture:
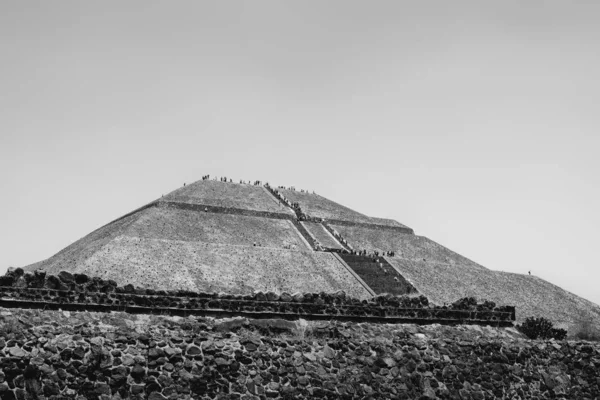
407	246
167	223
230	195
208	267
78	252
321	207
532	296
162	247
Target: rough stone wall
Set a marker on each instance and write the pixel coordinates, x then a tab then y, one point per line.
79	292
60	355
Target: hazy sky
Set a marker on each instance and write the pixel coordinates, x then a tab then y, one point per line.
476	123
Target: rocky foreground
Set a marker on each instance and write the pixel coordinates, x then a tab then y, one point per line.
69	355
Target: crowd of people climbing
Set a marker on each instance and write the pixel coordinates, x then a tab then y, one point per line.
281	197
364	253
293	189
373	254
337	235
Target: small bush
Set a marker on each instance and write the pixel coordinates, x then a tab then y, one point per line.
466	303
541	328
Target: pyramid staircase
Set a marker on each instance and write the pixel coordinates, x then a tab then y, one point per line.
380	275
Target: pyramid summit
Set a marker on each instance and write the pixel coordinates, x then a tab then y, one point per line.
216	235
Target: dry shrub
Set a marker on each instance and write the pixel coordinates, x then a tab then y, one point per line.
541	328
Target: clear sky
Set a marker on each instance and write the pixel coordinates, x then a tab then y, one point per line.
476	123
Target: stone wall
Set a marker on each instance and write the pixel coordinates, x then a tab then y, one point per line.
66	355
80	292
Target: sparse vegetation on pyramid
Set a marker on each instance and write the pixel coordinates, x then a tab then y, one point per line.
241	238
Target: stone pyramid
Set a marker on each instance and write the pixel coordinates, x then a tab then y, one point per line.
239	238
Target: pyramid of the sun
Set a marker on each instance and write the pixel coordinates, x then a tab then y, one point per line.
214	236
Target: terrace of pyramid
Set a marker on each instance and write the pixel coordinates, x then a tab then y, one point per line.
242	238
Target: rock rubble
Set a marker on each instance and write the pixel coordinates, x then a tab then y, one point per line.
61	355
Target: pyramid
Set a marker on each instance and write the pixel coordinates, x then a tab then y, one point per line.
240	238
